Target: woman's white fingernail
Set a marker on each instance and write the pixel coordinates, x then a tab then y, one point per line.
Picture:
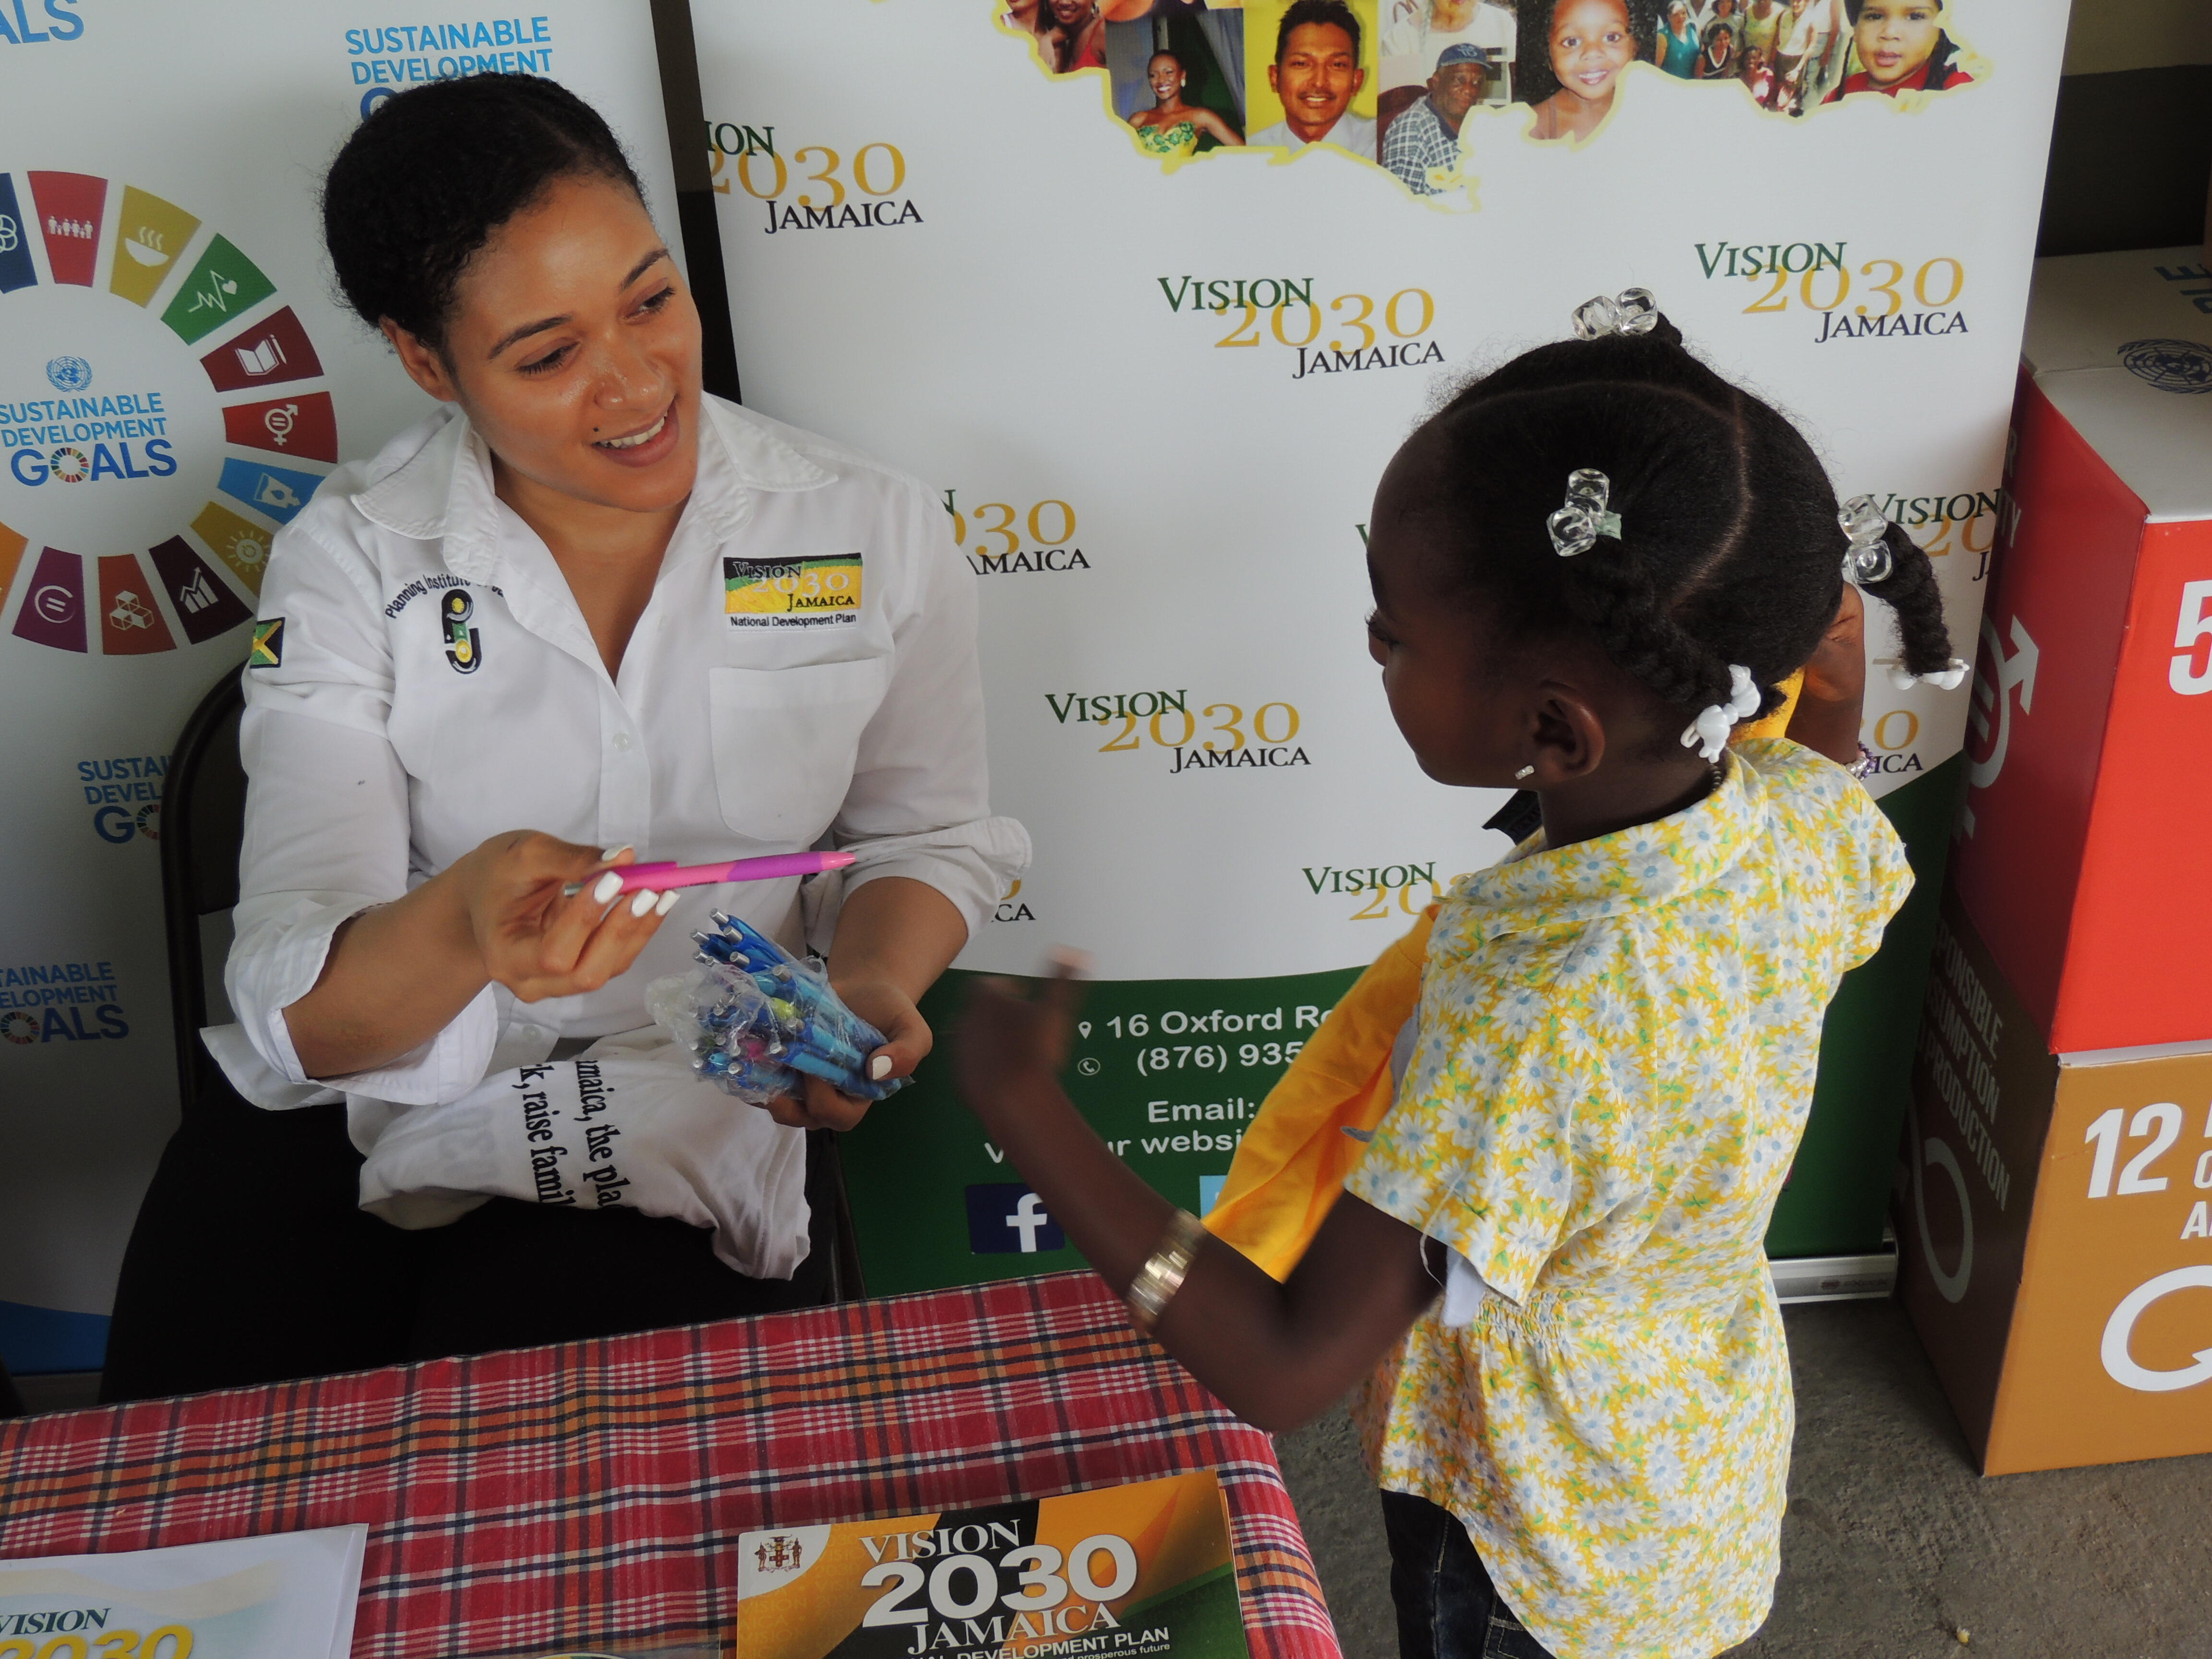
880	1067
609	885
645	901
667	903
609	854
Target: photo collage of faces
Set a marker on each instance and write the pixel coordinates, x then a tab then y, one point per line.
1391	81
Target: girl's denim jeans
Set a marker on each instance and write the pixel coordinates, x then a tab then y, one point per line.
1447	1607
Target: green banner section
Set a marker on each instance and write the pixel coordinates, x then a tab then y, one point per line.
1838	1195
1170	1071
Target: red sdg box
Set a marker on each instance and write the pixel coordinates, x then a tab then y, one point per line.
2084	856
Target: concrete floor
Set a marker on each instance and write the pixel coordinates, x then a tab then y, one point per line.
1893	1547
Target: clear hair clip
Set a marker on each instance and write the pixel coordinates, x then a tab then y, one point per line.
1576	527
1632	311
1868	559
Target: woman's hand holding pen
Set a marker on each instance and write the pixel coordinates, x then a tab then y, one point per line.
540	943
397	975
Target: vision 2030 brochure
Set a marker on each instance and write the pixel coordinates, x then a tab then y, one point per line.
1110	1573
288	1595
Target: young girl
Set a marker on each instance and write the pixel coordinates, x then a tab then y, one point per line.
1583	1445
1758	76
1588	43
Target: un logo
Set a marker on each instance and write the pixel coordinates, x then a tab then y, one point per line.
2170	365
69	374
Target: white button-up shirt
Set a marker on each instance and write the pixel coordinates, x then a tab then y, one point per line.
804	675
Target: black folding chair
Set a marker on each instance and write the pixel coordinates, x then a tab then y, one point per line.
202	822
188	1211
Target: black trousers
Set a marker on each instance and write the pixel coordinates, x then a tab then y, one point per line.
251	1262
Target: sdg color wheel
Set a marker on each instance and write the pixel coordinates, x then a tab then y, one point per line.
162	413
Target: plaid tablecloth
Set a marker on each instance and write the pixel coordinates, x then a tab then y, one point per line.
592	1494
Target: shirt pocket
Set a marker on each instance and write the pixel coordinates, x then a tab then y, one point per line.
785	742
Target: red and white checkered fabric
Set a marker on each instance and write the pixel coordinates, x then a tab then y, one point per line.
591	1494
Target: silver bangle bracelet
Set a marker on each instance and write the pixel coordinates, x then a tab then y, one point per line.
1162	1276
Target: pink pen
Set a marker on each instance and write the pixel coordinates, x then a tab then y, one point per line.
661	877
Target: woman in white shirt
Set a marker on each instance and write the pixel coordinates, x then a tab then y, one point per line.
556	626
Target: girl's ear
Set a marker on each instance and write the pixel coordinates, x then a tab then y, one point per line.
1566	733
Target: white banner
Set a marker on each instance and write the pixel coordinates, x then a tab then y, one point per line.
1158	387
175	377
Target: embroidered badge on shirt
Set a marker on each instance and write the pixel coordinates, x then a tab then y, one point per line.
268	649
792	592
464	644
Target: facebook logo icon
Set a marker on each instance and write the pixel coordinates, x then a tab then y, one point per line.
1006	1218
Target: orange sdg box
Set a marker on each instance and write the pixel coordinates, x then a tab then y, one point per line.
2082	852
2056	1227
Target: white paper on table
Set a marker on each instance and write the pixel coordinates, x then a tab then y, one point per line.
285	1595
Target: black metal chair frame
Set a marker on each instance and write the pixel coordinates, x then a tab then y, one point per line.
201	830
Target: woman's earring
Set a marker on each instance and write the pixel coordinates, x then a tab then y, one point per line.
1528	771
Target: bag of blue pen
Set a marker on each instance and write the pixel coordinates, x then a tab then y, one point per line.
756	1019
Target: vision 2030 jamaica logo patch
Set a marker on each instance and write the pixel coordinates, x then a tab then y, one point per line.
792	592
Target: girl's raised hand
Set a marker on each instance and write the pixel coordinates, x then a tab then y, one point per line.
1278	1354
1006	1040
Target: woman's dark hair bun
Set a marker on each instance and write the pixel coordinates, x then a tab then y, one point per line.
1729	551
422	184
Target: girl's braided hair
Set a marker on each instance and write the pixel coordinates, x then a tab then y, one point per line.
1728	551
421	185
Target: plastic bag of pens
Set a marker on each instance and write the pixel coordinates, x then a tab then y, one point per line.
754	1019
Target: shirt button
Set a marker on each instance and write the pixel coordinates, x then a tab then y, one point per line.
622	743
